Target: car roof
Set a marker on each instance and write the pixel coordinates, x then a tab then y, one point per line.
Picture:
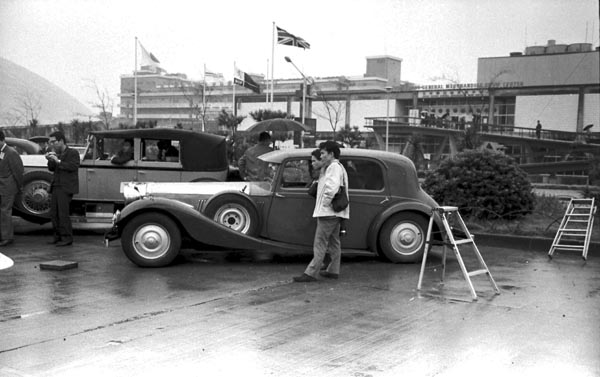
279	155
199	152
157	133
28	146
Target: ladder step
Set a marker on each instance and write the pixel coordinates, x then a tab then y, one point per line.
578	221
478	272
568	247
460	242
573	234
578	214
572	230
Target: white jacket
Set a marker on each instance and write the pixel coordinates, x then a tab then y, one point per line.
330	181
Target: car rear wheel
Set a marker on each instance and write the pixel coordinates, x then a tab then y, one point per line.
151	240
33	203
234	212
402	238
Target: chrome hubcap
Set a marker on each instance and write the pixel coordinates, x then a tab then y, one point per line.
406	238
151	241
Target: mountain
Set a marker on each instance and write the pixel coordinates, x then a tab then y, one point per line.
19	85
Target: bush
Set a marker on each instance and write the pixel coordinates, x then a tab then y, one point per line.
483	184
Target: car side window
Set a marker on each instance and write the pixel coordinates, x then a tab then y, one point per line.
296	174
162	150
108	147
363	174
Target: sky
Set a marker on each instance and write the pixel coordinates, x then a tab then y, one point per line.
73	43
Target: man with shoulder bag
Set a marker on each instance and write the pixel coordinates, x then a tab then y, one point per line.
327	236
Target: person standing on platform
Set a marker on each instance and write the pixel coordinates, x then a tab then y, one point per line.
538	130
64	163
11	183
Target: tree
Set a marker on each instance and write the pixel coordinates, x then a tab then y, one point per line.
264	114
197	94
104	103
335	109
27	110
350	136
229	120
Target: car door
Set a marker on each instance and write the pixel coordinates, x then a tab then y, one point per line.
289	217
103	178
368	194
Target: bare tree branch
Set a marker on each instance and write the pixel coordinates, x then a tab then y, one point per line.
104	103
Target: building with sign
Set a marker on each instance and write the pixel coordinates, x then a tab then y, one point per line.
556	84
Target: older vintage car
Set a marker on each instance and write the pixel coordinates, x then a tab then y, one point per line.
389	212
186	156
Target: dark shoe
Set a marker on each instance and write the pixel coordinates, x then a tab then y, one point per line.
63	243
53	241
304	278
329	275
6	242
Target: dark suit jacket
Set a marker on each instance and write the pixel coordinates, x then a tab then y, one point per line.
11	171
66	174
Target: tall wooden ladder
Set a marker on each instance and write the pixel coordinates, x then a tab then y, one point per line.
575	229
454	237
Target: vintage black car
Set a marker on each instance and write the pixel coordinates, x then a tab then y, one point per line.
186	156
389	212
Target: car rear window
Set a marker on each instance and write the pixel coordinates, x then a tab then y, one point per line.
363	174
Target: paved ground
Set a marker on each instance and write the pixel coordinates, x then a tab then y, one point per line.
239	314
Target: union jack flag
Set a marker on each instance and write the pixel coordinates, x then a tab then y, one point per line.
285	38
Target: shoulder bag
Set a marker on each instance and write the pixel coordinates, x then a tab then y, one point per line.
340	200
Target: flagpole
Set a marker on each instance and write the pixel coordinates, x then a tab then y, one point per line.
135	86
203	97
233	82
272	63
267	92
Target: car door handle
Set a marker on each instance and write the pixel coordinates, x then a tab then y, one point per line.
278	195
384	200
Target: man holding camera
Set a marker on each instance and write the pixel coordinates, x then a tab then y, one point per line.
64	162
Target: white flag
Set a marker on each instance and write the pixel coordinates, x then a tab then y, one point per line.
148	58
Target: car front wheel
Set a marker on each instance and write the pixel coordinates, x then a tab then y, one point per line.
33	203
151	240
402	238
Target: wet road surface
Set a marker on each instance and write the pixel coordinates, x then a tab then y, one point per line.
240	314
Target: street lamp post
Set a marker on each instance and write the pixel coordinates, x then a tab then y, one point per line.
387	119
287	59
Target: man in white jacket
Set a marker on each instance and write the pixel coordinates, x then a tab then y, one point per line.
327	235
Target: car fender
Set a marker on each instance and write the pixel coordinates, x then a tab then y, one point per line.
382	217
199	227
230	192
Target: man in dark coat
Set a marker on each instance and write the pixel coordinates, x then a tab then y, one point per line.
11	183
64	162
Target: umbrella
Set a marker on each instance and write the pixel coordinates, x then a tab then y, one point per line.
587	128
278	124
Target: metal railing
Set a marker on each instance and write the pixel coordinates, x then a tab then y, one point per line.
485	128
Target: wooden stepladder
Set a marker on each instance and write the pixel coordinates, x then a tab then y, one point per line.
575	229
448	214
